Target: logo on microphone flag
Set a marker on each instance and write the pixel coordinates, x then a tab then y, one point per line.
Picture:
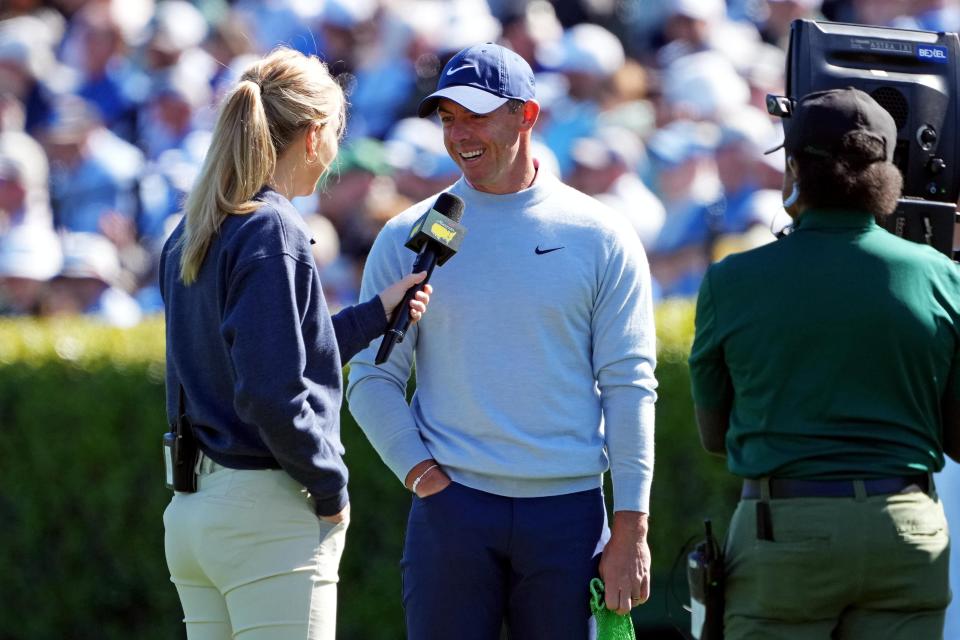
442	232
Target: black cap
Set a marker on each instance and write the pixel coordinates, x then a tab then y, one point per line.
821	119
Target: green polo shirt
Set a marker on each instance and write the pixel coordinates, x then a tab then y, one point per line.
835	346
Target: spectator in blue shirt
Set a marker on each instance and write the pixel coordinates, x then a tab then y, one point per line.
108	79
92	171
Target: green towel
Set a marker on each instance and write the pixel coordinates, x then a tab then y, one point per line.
610	624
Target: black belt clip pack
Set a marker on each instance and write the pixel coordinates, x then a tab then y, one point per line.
705	578
180	452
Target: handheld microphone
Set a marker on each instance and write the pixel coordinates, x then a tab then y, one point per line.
435	237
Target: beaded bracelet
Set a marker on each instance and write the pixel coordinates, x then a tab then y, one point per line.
416	483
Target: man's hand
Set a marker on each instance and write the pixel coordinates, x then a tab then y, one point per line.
434	480
625	562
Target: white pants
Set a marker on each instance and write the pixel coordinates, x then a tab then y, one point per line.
250	560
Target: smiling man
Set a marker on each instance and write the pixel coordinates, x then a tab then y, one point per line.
534	377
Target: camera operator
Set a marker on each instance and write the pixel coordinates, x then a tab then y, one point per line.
825	366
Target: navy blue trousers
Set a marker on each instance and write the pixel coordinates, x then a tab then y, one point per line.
473	561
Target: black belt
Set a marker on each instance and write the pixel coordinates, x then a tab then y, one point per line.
797	488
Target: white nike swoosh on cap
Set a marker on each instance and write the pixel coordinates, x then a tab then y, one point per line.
466	66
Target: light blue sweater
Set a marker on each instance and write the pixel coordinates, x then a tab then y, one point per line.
535	359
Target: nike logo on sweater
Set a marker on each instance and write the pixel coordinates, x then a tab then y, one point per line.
540	251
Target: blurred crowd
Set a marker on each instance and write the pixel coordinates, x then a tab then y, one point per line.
655	107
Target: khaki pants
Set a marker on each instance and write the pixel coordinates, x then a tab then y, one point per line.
873	568
250	560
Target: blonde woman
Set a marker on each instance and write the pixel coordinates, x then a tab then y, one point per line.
251	345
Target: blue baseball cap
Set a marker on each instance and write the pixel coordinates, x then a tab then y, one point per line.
481	78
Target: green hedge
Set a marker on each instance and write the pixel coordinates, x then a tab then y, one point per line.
81	414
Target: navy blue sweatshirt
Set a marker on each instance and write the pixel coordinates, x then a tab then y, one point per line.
257	353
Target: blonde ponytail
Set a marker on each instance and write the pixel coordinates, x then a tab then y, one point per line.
275	98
